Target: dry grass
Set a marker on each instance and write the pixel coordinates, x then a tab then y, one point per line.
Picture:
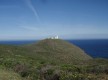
8	75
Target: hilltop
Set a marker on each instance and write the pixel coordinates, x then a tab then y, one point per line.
58	50
50	59
48	50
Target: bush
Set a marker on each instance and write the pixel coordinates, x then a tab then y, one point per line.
72	69
96	69
75	76
22	69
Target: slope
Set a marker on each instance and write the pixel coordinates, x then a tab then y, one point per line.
57	50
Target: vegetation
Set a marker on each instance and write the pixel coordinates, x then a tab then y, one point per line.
50	60
57	50
9	75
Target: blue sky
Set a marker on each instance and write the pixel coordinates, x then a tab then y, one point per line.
38	19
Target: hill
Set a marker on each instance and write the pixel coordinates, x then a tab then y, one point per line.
49	51
57	50
50	59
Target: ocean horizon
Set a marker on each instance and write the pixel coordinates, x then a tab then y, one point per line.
97	48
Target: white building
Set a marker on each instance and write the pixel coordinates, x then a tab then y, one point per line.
56	37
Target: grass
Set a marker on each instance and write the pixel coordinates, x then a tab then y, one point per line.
57	50
9	75
50	60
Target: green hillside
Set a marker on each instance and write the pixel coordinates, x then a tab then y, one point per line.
58	50
50	59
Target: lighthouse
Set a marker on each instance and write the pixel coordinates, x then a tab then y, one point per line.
56	37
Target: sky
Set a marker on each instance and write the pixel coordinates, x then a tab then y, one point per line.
39	19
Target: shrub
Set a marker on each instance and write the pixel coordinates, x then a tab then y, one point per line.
72	69
70	76
22	69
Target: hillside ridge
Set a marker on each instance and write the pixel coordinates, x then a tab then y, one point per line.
59	49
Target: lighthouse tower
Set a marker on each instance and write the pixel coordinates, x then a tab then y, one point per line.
56	37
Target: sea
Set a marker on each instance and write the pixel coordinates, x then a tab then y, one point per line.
97	48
